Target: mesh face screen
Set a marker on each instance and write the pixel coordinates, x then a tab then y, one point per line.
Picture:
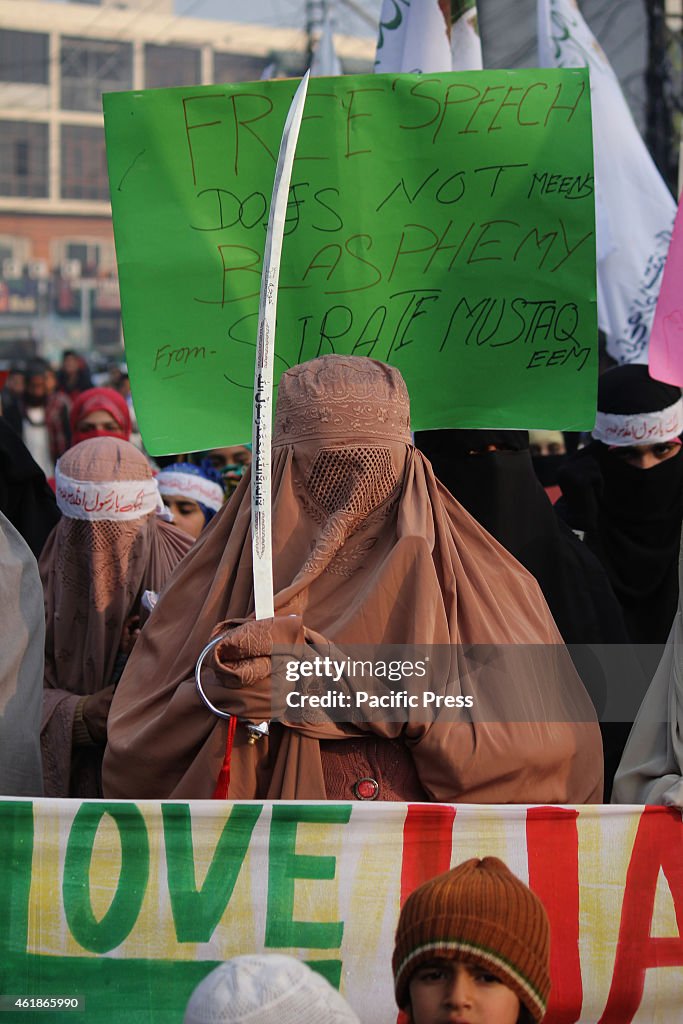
352	479
95	558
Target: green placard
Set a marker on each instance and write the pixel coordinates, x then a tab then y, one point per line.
443	223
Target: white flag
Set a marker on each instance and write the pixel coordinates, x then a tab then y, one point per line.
428	36
634	209
325	60
465	41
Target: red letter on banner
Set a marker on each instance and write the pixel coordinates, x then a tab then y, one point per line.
427	848
553	854
427	844
658	843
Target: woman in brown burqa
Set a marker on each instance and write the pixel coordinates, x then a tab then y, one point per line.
368	549
108	548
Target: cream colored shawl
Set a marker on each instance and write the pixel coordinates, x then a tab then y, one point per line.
651	768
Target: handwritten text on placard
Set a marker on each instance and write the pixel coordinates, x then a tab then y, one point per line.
442	223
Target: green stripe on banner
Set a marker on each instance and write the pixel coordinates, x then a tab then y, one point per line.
16	856
114	990
131	991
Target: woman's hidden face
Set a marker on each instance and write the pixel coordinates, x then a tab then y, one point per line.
99	421
646	456
71	364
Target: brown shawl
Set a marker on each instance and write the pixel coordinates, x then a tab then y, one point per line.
368	548
94	574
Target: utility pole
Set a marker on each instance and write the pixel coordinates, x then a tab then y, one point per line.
315	17
664	95
674	20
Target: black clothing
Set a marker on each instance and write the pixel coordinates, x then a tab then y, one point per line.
631	519
25	497
501	491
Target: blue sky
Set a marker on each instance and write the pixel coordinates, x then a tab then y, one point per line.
281	13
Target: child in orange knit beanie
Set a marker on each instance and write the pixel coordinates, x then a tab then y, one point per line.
473	947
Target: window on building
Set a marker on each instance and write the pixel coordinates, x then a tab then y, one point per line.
14	248
24	57
166	66
23	158
84	165
238	67
86	252
91	67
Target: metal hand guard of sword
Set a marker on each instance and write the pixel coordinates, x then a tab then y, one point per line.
261	533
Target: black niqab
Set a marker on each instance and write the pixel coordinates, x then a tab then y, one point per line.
631	517
501	491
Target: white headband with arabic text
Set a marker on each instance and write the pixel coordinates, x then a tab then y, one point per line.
626	430
194	488
114	500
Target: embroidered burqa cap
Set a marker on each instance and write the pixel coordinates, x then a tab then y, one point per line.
368	548
268	989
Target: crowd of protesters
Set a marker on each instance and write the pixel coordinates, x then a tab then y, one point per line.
444	539
518	554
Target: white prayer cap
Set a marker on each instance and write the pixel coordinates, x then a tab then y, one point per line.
266	989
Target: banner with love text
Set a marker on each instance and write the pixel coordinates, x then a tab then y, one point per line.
123	907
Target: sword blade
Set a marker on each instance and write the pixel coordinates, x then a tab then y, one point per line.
261	532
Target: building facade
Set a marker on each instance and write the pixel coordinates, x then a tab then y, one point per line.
58	281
